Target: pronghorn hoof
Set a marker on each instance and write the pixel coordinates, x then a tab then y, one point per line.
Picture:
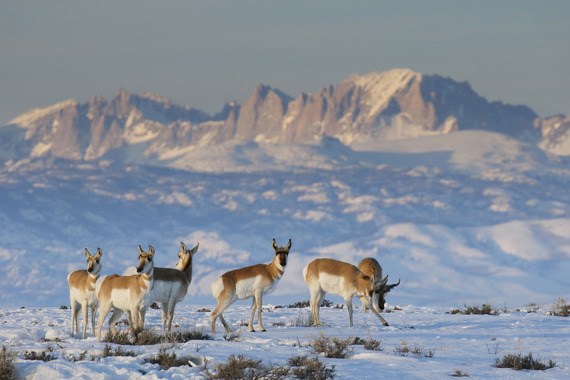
263	330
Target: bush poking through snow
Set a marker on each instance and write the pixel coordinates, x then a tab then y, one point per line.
310	369
307	303
7	366
43	356
302	320
167	361
520	362
108	351
561	308
417	351
149	337
370	344
484	309
458	373
186	336
241	367
331	347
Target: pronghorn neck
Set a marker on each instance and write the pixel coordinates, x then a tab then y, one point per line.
94	274
147	278
364	285
187	269
275	268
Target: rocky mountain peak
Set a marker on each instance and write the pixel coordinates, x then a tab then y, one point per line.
393	104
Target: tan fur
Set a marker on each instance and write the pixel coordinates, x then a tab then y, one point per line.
171	284
337	277
82	292
370	266
132	294
249	282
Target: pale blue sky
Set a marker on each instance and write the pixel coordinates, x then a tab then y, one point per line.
206	53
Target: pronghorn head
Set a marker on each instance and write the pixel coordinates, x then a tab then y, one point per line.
145	260
185	256
282	253
93	261
379	290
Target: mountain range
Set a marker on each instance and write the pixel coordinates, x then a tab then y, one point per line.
394	104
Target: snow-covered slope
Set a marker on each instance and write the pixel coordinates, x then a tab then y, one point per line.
466	217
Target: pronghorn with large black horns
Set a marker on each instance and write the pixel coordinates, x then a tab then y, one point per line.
344	279
82	291
370	266
133	294
249	282
171	284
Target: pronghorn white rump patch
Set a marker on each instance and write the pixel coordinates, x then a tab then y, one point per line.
217	287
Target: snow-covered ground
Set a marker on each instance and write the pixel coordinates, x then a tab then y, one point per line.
446	344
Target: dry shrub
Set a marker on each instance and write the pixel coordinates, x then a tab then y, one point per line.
7	366
241	367
520	362
167	361
561	308
484	309
43	356
370	344
312	369
331	347
108	351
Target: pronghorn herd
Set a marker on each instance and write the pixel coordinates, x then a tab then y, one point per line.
133	292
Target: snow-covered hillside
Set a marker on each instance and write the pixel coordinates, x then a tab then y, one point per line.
466	217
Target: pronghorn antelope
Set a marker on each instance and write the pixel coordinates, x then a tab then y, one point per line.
82	291
132	294
249	282
344	279
171	285
369	266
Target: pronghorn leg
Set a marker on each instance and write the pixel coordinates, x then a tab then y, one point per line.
142	316
223	304
93	313
85	317
74	314
365	301
164	309
320	296
258	300
114	317
253	307
103	311
171	314
135	321
348	302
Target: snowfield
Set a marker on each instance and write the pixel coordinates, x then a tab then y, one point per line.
461	219
444	344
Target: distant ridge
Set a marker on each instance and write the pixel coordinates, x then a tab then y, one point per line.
394	104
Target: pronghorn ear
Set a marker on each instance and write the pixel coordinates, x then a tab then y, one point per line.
87	254
183	246
140	250
289	245
195	249
150	249
99	253
384	281
274	245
